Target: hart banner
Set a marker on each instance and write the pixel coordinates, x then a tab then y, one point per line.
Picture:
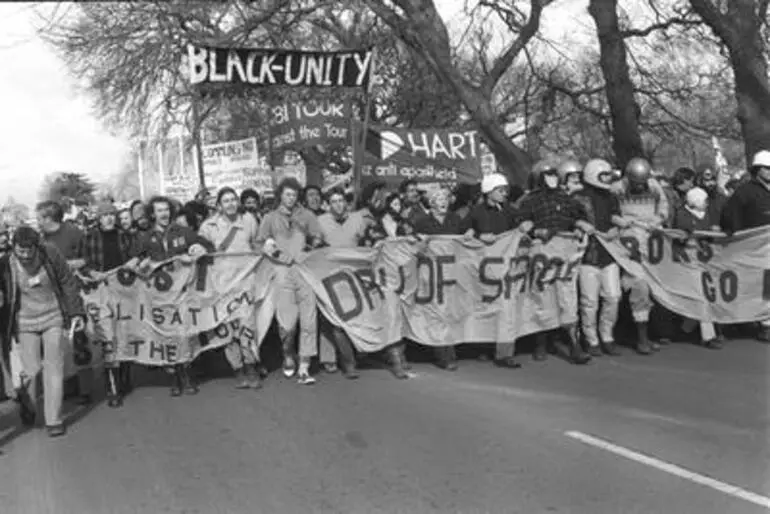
432	157
298	125
704	277
250	68
181	309
236	164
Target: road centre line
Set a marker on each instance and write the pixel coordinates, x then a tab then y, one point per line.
672	469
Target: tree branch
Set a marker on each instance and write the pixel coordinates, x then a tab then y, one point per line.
505	60
673	22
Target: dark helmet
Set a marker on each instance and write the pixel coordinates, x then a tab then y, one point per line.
569	167
541	167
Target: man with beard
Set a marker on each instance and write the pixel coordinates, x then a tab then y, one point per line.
340	229
163	241
285	233
41	302
707	180
232	232
312	200
749	207
411	198
599	276
141	221
643	203
105	248
551	210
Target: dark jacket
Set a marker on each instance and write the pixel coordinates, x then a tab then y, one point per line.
600	205
176	240
428	224
65	287
748	207
685	220
92	249
488	219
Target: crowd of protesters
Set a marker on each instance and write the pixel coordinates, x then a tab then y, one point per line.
42	270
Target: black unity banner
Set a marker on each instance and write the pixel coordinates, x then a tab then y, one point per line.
254	68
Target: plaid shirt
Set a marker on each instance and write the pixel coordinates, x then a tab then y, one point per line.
552	210
91	249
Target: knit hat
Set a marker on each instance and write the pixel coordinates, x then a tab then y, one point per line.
105	208
761	158
492	181
697	199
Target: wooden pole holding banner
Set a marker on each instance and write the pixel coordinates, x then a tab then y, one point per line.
196	135
359	145
161	167
140	166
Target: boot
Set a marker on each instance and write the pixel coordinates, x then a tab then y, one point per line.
253	379
241	380
610	348
112	383
176	381
446	358
27	411
124	378
188	384
577	354
541	347
397	362
643	342
404	362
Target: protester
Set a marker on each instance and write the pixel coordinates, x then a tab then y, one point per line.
340	229
125	221
164	240
410	198
312	199
464	199
707	180
103	249
41	304
232	232
67	238
440	220
371	210
599	276
570	176
682	181
141	221
549	210
749	207
643	203
285	233
695	216
486	221
250	202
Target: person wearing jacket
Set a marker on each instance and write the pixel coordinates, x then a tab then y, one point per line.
691	217
643	203
490	218
230	231
749	207
285	233
41	303
104	248
550	210
599	276
161	242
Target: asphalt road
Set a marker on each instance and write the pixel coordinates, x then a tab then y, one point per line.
480	440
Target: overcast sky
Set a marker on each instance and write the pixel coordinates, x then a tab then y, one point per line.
47	126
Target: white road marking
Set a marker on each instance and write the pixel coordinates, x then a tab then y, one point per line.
673	469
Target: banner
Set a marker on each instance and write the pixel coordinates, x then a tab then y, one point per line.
272	67
180	309
236	164
705	276
432	157
439	290
297	125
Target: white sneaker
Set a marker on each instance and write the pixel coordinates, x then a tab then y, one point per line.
289	367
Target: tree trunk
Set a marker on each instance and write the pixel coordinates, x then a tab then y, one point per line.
626	140
740	30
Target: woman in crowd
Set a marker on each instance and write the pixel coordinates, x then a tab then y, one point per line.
440	220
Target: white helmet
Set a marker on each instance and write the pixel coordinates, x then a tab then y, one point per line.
598	173
492	181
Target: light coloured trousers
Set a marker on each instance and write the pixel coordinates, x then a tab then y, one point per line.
296	303
599	286
639	297
51	363
239	356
